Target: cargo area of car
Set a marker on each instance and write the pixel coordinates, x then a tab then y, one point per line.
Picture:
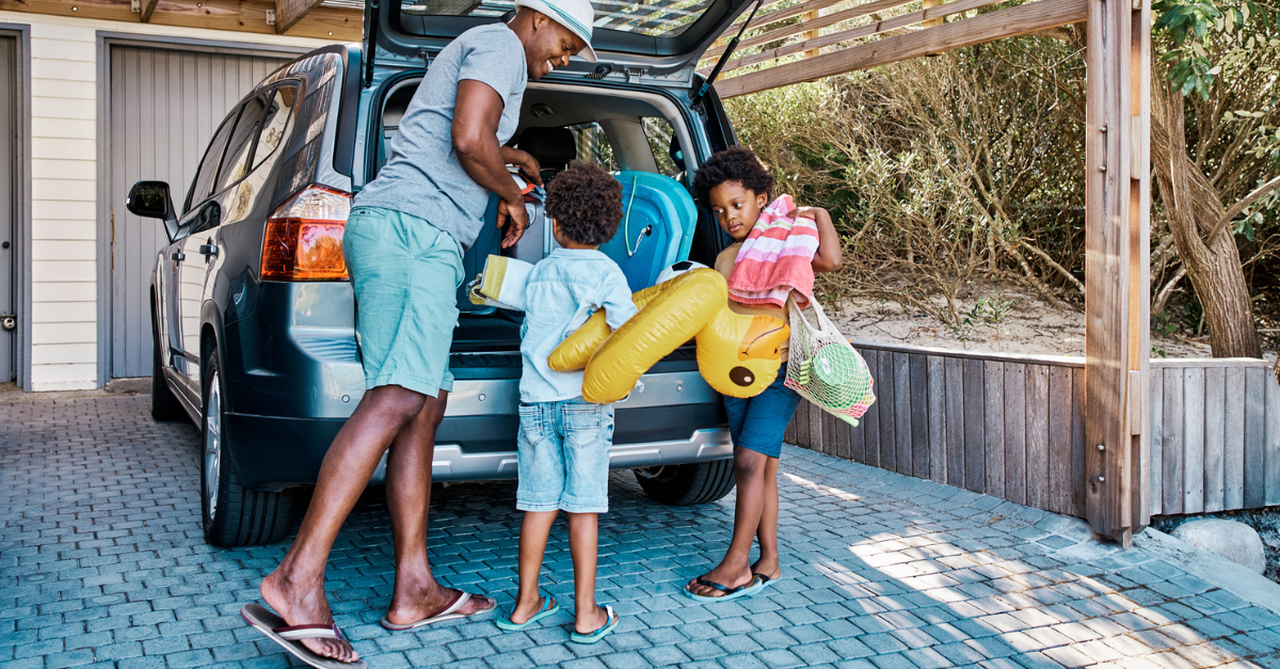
638	137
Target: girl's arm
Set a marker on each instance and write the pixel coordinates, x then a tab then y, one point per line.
829	256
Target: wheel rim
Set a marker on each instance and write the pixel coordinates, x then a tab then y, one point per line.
213	445
661	472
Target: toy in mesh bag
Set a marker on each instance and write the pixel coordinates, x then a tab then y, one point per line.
825	369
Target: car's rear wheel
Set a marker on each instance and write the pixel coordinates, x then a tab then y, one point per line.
685	485
233	514
164	405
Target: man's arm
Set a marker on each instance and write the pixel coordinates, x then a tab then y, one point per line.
476	113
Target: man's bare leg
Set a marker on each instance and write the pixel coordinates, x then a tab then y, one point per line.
735	569
296	588
417	595
767	532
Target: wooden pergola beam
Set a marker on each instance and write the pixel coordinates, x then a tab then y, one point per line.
1009	22
289	12
925	17
146	9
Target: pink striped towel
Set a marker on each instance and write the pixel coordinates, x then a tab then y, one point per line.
775	259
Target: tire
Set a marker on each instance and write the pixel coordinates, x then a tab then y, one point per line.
233	515
164	405
686	485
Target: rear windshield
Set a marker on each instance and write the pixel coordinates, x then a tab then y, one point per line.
655	18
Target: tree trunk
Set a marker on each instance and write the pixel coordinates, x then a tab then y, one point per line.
1193	207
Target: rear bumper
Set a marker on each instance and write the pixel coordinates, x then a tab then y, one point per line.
674	419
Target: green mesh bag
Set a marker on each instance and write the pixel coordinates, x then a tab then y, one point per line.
825	369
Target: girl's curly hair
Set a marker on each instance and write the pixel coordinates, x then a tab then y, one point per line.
736	163
586	203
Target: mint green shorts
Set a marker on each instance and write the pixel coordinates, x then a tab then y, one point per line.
405	272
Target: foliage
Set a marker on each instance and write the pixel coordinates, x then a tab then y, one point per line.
1224	57
938	172
1196	28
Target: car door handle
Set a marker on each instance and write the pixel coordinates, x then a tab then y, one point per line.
209	249
178	256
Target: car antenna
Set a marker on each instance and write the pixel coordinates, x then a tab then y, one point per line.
724	58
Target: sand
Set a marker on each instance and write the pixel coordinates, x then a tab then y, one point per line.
1030	326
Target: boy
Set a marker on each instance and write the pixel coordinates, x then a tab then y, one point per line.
564	441
737	187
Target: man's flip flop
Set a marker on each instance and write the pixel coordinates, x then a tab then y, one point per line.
750	588
290	637
610	622
549	608
449	612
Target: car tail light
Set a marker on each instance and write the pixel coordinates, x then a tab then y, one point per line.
304	237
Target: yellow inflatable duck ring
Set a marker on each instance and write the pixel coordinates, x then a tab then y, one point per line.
738	355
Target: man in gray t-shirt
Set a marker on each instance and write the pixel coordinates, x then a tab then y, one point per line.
402	243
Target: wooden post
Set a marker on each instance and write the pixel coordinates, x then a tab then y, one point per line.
812	34
1117	253
931	23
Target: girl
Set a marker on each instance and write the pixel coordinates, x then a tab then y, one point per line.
737	187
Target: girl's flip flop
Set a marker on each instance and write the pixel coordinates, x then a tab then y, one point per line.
748	589
549	608
611	621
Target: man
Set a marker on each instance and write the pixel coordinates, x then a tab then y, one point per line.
403	245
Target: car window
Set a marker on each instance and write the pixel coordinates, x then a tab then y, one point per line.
235	163
202	185
279	107
665	146
593	146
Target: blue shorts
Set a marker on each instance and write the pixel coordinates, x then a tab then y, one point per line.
405	273
564	456
758	423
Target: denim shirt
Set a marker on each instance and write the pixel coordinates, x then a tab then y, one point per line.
562	291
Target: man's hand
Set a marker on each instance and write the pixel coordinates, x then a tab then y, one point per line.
528	165
513	218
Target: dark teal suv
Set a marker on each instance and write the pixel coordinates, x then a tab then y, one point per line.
252	310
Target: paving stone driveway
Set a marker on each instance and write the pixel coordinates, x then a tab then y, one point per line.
102	562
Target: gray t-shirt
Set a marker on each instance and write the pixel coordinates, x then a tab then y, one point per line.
423	176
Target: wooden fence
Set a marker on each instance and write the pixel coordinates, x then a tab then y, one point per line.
1012	426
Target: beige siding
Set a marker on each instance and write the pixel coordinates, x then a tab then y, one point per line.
64	184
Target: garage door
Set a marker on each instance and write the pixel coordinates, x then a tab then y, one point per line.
8	207
165	105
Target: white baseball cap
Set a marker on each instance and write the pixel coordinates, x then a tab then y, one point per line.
576	15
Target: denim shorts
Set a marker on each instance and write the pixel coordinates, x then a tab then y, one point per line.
564	456
405	273
758	423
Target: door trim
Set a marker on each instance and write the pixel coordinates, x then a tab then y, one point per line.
22	199
105	41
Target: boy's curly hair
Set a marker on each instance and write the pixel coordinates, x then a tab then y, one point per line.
736	163
586	203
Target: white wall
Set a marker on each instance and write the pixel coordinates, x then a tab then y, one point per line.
64	150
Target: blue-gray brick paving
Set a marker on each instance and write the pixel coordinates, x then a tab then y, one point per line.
102	563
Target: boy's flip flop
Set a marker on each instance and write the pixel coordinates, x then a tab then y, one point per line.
549	608
610	622
290	637
449	612
746	590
